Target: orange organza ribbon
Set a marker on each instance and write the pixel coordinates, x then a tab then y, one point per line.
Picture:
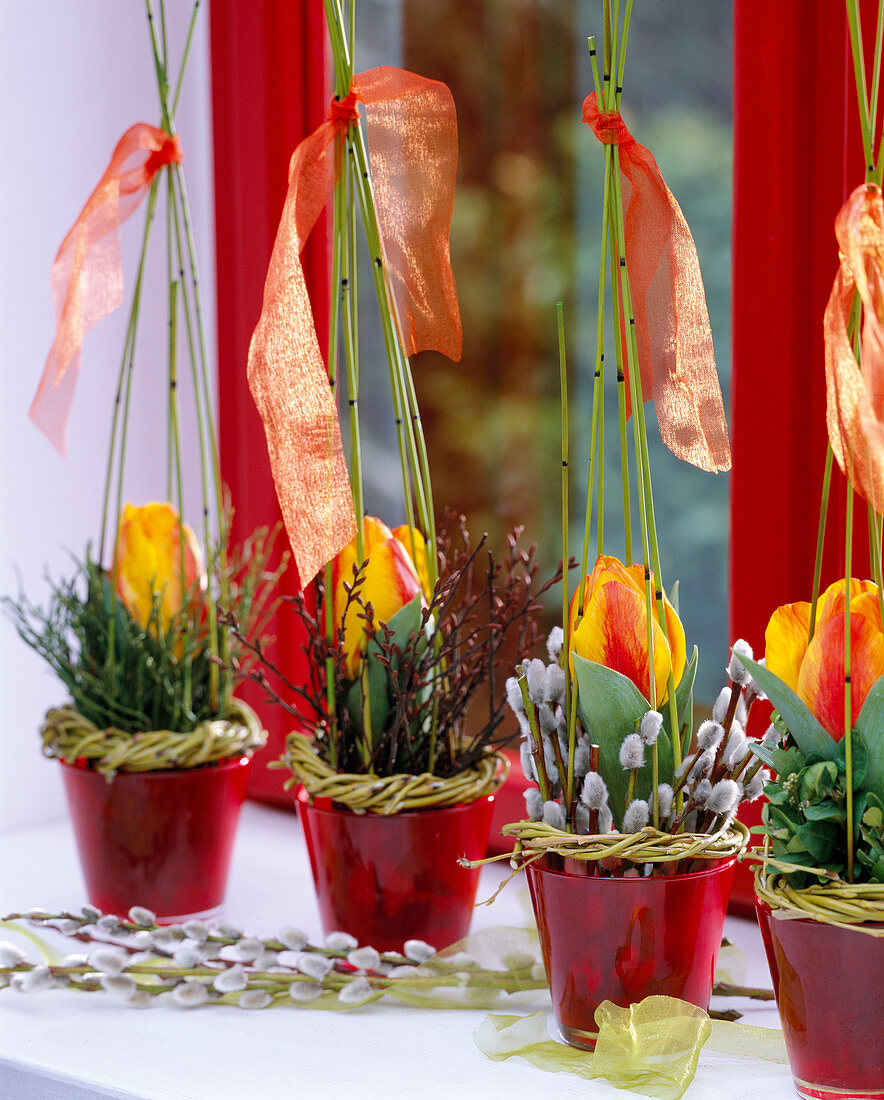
855	394
413	153
675	352
87	275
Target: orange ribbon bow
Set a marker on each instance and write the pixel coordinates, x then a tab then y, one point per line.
413	158
854	393
87	275
675	352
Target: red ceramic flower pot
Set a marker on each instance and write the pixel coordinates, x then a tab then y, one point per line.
624	939
390	878
161	839
828	984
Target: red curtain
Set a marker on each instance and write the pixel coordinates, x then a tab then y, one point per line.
797	156
268	92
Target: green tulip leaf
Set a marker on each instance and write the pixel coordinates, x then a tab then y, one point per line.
805	730
404	623
378	683
673	595
684	702
607	700
869	725
401	626
609	705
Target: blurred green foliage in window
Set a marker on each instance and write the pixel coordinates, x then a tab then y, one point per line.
526	233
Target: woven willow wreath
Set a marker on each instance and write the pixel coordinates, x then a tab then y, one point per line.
858	907
394	793
534	839
68	735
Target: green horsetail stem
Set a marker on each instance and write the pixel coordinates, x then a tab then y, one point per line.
345	234
862	91
413	455
566	601
876	533
646	497
220	684
622	311
121	420
409	425
820	537
848	696
607	254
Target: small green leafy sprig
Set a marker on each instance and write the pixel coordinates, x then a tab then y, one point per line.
806	816
131	677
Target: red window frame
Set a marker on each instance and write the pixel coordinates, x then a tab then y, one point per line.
268	92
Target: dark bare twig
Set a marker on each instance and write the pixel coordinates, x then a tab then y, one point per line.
473	610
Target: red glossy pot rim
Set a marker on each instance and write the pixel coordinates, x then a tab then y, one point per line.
304	797
629	882
213	766
761	904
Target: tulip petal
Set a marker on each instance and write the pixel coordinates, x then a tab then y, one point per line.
390	582
609	571
614	633
831	603
867	606
785	641
821	680
677	644
416	547
149	561
374	532
674	629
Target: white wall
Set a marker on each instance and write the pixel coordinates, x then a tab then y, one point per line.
73	77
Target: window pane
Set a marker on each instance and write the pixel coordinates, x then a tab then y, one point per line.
526	233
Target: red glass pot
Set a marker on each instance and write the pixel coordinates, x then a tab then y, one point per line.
390	878
828	983
624	939
162	839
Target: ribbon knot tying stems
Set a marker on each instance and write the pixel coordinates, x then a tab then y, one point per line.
169	153
608	126
343	112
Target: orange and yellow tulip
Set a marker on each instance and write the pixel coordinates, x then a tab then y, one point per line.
149	560
815	670
391	581
614	628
